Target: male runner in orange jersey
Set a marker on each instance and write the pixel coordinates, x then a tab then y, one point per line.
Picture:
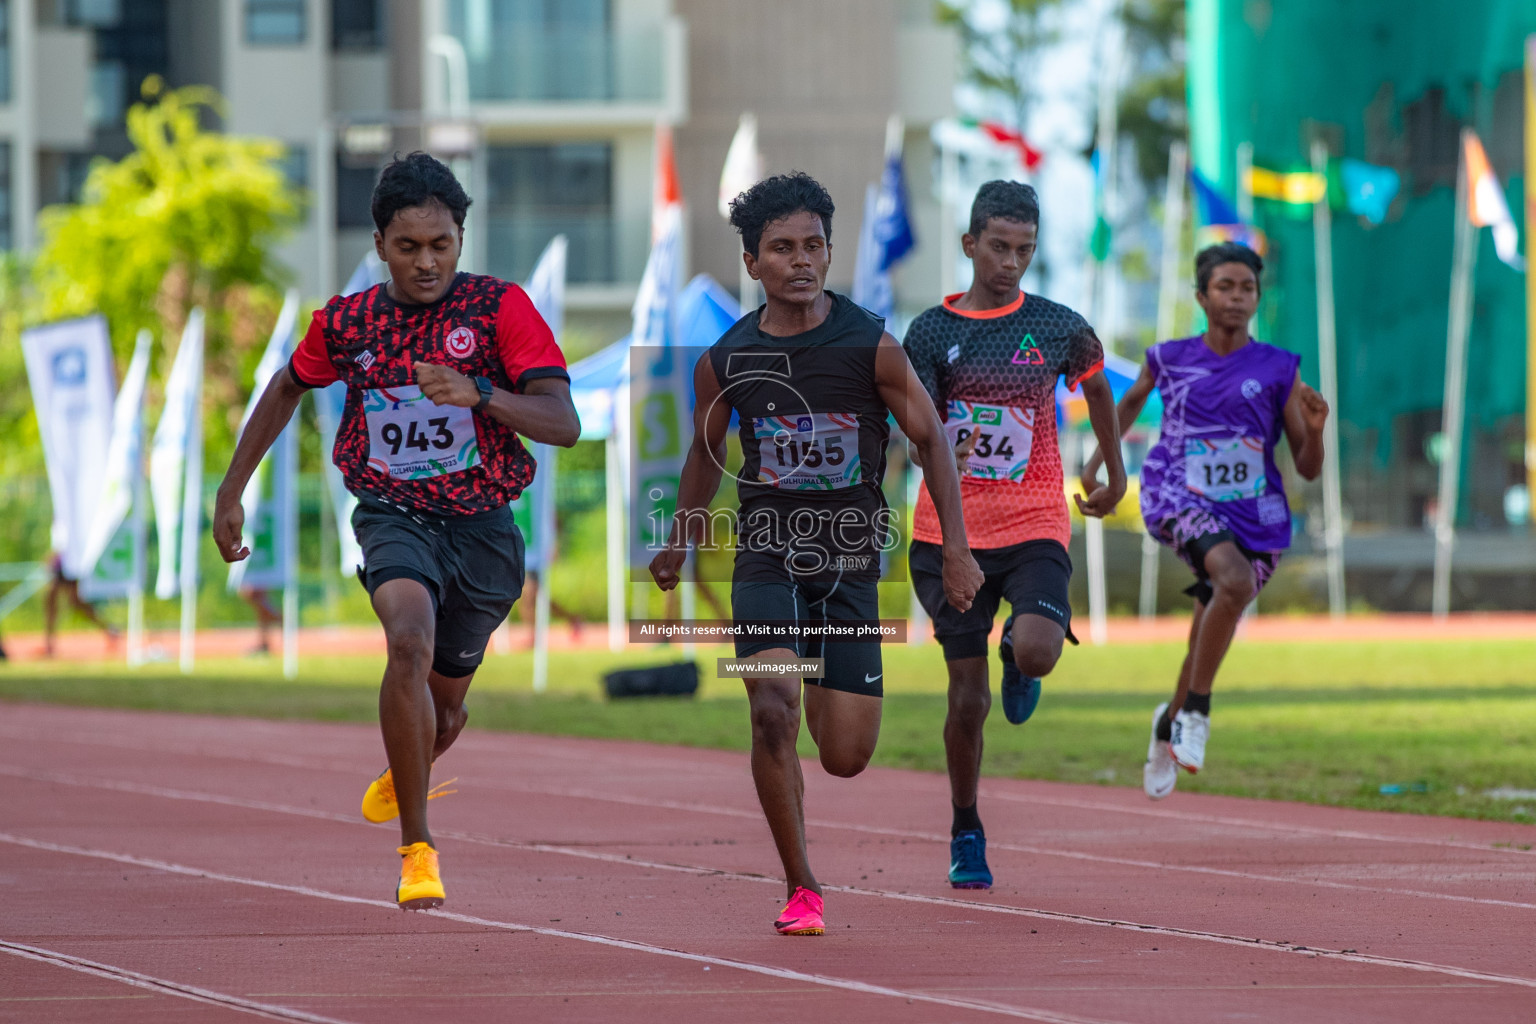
989	358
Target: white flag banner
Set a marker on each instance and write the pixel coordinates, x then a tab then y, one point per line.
330	402
69	366
743	163
270	488
180	428
107	561
535	506
658	401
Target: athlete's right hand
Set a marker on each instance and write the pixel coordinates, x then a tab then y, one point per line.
228	520
962	578
963	451
666	567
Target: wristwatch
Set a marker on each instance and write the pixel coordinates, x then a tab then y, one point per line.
486	388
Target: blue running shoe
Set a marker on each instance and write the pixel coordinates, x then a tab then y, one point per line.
1020	692
968	861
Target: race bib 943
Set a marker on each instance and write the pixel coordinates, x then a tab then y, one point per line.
1228	470
809	452
1005	435
410	437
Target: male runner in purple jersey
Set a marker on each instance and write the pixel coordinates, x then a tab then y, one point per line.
1210	489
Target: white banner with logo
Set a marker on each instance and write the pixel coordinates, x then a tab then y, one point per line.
176	456
69	366
271	488
108	557
658	400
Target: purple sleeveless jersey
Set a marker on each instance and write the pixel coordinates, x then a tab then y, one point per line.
1222	417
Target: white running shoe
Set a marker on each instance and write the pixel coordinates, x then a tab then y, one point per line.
1190	731
1160	774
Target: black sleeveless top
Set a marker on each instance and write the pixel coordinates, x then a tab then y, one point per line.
814	432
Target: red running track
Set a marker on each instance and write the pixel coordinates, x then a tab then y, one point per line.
176	868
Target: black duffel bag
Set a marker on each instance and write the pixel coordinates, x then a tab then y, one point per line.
679	679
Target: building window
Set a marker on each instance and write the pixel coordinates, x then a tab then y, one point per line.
274	22
5	51
354	193
294	163
5	196
98	13
537	192
357	25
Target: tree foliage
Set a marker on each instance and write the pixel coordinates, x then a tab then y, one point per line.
188	218
1001	59
1153	108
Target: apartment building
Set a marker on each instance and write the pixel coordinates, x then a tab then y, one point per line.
546	108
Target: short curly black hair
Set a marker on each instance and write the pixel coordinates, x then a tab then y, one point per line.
1213	256
774	199
1010	200
417	179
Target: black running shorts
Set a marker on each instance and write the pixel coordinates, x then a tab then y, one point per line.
471	565
1033	577
852	666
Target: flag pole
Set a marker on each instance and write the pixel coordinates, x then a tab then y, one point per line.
1167	318
191	519
1530	265
1328	371
616	534
1463	263
287	466
140	530
541	603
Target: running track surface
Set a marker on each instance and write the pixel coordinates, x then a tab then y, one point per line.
174	868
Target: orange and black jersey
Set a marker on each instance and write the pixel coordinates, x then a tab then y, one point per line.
993	372
394	445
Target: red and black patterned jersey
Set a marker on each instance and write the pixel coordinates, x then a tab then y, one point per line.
482	327
993	372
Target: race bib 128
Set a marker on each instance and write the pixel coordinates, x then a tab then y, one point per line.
1229	470
1005	435
411	437
809	452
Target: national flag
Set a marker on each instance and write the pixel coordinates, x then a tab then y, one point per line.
1486	207
1296	187
1029	156
1100	241
743	163
1212	206
1367	189
176	457
893	224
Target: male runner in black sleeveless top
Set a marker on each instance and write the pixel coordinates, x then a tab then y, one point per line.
812	377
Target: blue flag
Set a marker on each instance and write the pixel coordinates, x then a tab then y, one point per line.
1368	188
871	282
1214	207
893	227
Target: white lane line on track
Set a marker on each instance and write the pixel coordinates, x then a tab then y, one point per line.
1029	912
142	789
828	981
161	985
316	764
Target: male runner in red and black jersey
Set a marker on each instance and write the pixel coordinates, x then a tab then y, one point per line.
443	372
990	358
812	377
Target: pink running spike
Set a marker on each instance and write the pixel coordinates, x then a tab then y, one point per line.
801	915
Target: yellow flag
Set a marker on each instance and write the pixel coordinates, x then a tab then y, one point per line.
1300	187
